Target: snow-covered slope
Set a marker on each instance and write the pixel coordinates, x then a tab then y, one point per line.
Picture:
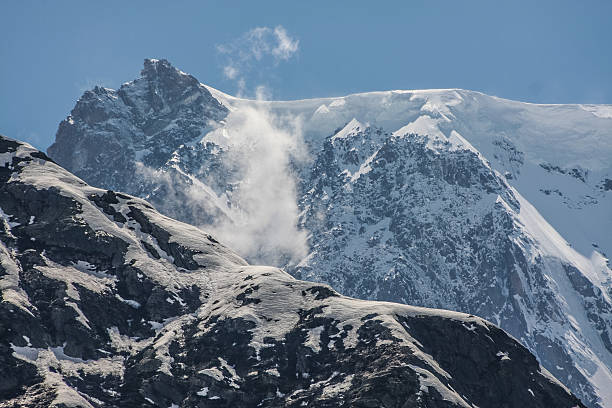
559	156
440	198
425	222
105	302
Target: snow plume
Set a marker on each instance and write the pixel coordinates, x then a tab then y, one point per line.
250	203
254	50
182	196
285	46
263	212
260	219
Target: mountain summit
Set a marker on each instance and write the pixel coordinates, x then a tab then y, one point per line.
145	120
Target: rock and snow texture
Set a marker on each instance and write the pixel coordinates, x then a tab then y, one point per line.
105	302
440	198
118	136
392	228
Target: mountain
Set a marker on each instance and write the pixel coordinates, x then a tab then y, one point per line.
448	199
106	302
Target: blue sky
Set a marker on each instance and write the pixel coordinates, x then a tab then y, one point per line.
537	51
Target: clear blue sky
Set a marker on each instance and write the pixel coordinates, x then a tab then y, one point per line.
538	51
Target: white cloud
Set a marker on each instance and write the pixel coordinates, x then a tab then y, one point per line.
258	216
257	42
230	72
257	49
262	93
263	215
286	46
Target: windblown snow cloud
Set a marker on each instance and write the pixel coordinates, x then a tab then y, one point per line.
259	47
260	220
285	45
250	201
263	211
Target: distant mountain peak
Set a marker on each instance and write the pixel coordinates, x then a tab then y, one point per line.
352	128
160	68
145	120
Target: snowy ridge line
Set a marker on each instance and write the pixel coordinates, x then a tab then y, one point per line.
225	97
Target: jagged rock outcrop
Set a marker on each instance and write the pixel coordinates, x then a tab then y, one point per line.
137	128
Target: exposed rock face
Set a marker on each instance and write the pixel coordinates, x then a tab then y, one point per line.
389	206
418	197
141	124
105	302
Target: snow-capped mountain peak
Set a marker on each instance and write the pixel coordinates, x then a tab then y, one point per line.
350	130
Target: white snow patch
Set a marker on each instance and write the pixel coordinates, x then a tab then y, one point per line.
427	380
7	218
213	373
273	371
333	390
314	339
128	302
352	128
503	355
